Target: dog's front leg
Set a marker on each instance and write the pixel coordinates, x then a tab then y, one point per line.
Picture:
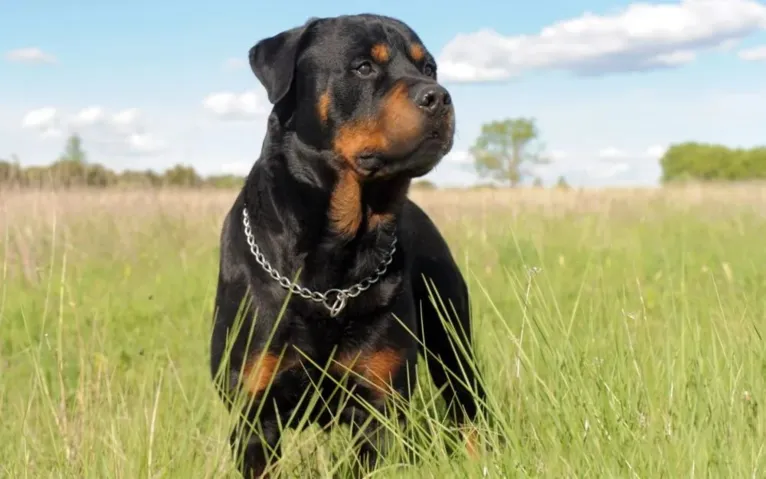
255	439
374	408
371	438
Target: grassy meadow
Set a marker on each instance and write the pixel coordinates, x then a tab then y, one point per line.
620	334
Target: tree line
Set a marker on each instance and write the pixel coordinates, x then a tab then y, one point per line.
504	152
693	161
72	169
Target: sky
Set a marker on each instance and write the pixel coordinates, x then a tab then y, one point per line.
610	83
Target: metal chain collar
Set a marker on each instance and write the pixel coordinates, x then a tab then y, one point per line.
341	295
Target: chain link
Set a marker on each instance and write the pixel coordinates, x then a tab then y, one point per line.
341	296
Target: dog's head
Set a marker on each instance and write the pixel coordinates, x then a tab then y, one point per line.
364	87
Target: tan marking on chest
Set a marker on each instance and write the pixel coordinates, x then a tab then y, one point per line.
377	219
260	370
376	369
346	204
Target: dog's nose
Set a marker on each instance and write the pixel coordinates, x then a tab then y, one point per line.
432	98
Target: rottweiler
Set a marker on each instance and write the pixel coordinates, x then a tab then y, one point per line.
331	273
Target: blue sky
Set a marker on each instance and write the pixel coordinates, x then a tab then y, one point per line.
610	83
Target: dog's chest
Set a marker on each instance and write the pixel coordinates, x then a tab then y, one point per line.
321	338
368	351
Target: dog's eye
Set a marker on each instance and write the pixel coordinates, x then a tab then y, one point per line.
364	69
429	70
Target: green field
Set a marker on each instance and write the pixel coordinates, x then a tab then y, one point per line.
619	334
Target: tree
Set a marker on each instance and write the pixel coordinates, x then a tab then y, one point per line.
504	147
73	150
562	184
70	168
182	175
10	171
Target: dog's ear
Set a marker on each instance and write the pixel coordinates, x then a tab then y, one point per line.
273	60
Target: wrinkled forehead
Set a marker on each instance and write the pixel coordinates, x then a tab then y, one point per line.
352	38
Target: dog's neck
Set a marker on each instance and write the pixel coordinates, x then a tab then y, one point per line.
297	188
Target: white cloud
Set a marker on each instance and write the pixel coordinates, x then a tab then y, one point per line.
603	170
29	55
728	45
677	58
124	122
40	118
656	151
88	116
642	36
237	106
611	153
45	120
753	54
458	157
122	132
144	143
126	117
606	166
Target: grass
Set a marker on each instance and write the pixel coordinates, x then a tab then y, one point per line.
619	334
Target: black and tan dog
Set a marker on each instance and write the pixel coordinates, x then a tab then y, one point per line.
357	114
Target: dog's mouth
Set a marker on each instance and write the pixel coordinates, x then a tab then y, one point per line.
369	163
415	161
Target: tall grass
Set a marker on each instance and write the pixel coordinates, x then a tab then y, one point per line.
619	334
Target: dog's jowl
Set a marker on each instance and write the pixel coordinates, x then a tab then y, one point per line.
324	218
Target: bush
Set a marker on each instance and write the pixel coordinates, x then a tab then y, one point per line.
707	162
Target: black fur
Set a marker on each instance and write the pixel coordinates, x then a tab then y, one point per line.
288	196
